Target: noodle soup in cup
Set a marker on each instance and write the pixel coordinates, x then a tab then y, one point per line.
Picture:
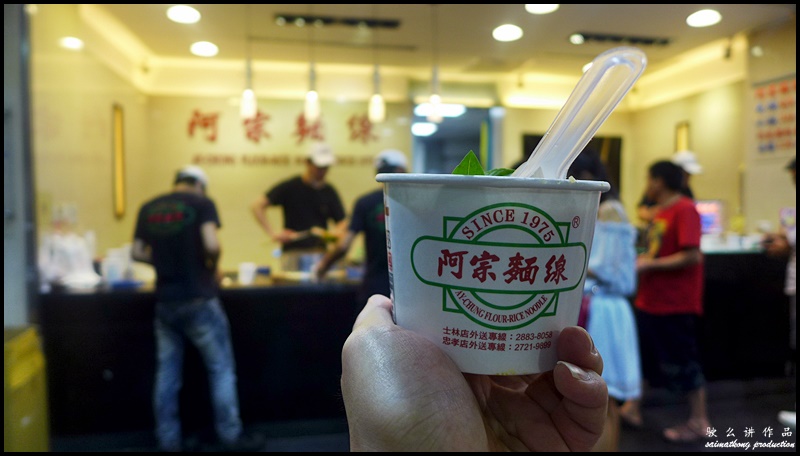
489	268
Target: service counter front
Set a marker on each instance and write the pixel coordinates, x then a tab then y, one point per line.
288	337
287	340
744	333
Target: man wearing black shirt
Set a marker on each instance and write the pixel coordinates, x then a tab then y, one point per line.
177	233
308	202
369	217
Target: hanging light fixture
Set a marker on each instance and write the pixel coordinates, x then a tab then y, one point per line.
435	100
248	106
312	106
377	107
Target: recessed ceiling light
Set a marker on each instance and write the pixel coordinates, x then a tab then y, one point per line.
72	43
183	14
703	18
423	128
540	9
576	38
204	49
507	32
757	51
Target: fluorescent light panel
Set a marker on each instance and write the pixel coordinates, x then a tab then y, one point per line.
445	110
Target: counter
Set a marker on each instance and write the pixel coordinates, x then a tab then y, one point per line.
744	333
287	340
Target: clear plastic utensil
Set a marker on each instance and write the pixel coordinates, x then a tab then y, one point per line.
599	91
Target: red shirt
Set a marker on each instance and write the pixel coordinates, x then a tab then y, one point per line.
678	291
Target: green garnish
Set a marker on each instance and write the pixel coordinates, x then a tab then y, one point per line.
471	166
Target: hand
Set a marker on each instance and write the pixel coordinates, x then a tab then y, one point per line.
316	273
402	393
285	236
775	244
643	263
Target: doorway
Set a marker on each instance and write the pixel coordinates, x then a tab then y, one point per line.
608	148
442	150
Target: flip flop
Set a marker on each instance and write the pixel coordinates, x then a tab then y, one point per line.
683	433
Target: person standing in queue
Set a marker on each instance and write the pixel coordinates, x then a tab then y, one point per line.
688	163
783	244
309	203
669	303
369	217
610	282
177	233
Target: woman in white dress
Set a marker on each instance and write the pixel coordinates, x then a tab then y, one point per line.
610	281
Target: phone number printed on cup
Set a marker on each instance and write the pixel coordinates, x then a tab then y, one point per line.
496	341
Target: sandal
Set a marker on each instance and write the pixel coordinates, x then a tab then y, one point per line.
684	433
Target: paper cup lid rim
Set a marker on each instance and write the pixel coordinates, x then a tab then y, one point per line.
493	181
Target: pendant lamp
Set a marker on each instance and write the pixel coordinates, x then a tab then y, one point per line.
435	99
248	107
377	106
312	108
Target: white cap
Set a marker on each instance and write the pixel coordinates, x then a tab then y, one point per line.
687	161
193	171
321	155
391	157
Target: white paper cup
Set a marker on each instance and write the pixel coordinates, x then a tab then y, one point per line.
247	273
490	269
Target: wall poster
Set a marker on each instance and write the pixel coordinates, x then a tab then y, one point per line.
775	111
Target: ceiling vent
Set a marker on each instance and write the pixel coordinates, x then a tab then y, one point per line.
622	39
302	19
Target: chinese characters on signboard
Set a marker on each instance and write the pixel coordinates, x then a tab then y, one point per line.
256	128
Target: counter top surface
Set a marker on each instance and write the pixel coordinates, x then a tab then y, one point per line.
261	283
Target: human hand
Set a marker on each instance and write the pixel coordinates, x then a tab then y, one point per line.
317	272
285	236
643	263
402	393
775	244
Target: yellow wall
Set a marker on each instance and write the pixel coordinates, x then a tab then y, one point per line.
715	122
768	186
241	169
71	111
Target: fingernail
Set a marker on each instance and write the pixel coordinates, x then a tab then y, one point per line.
591	341
576	371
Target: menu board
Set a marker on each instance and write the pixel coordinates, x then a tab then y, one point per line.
775	111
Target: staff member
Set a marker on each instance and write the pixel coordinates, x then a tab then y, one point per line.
369	217
177	234
309	203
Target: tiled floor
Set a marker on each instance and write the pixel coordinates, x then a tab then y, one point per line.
737	405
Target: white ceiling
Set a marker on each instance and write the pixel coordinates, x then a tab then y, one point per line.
464	40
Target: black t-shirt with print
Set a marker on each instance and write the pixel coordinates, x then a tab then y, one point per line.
170	225
305	207
369	218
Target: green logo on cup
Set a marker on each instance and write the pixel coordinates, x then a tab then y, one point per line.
502	266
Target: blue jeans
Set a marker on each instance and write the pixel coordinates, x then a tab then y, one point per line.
204	324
